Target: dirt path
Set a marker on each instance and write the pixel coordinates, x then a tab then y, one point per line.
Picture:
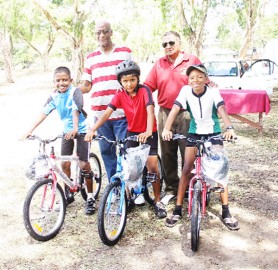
147	243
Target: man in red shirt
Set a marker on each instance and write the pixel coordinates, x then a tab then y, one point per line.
168	76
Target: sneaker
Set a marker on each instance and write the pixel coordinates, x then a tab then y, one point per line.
69	196
172	220
90	206
140	200
160	210
167	198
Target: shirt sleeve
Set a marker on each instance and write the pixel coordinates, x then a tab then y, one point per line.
218	100
182	98
151	80
49	106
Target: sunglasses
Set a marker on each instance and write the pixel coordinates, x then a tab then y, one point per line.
104	32
171	43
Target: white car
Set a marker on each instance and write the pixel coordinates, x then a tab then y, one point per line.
261	74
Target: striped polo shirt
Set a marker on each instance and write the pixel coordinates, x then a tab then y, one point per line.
100	71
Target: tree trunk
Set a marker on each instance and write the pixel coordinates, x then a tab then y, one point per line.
5	42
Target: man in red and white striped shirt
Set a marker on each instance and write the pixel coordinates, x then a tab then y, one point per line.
99	77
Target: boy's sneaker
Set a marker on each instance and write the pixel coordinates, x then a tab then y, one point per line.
160	210
140	200
69	196
90	206
172	220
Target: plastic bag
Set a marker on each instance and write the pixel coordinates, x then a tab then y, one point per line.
135	161
38	167
215	166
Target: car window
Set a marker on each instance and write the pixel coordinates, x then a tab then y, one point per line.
216	68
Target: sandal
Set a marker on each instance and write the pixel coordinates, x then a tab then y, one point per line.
172	220
231	223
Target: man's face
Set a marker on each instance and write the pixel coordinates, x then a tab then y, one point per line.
171	45
103	34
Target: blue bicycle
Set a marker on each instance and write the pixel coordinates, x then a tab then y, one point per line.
112	211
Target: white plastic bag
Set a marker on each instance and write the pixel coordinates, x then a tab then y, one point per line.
215	166
135	161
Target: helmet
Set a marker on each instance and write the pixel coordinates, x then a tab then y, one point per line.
127	67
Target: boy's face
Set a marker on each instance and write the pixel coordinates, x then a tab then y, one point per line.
62	81
197	80
129	83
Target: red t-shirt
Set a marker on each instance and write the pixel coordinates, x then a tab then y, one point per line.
135	108
169	79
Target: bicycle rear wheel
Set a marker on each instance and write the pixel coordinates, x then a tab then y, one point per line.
196	217
112	213
44	210
97	178
149	192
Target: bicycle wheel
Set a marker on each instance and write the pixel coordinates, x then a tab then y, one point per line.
196	217
149	192
44	210
112	213
97	178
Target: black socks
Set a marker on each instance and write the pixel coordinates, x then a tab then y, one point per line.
225	211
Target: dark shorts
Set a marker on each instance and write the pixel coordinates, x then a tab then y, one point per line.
82	148
199	136
152	141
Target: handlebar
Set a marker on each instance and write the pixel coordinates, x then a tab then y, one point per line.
117	141
215	137
46	141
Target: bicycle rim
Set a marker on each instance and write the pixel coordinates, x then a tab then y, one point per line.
112	214
196	217
44	211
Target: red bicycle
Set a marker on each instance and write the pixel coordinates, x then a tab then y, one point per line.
199	189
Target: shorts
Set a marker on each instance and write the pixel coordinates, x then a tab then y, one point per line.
82	149
152	141
199	136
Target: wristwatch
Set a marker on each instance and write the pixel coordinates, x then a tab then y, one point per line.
229	127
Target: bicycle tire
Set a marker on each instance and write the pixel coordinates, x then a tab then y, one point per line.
112	214
43	213
148	190
196	217
97	178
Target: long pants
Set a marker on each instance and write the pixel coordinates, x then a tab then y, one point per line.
169	149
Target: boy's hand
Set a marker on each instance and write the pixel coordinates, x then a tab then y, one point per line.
142	137
71	135
229	134
167	135
89	135
25	136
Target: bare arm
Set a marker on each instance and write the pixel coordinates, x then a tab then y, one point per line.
142	137
85	87
167	133
39	120
229	133
91	132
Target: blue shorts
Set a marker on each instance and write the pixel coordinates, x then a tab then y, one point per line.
82	149
152	141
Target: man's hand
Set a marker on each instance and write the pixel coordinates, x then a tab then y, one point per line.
89	135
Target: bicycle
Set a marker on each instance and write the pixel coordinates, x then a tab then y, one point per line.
112	211
45	204
199	189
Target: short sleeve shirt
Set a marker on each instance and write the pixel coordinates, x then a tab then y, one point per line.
65	104
135	108
202	109
168	79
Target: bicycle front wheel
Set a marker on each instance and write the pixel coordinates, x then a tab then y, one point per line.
196	217
44	210
97	177
112	213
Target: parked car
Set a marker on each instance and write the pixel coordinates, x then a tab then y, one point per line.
261	74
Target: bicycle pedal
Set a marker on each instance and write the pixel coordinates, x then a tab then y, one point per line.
218	189
151	177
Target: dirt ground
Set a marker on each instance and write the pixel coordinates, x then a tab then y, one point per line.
147	243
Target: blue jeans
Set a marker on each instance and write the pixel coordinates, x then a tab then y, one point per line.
112	129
